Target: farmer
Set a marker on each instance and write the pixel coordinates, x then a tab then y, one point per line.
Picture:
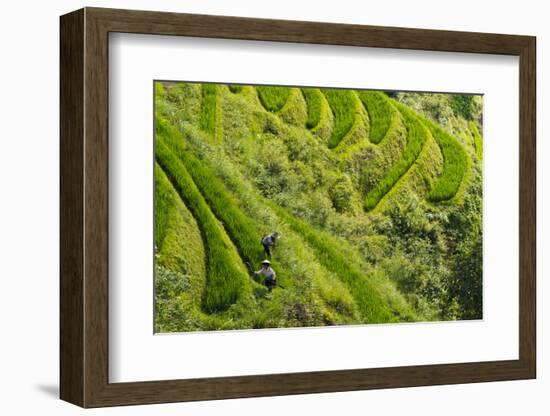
269	241
268	273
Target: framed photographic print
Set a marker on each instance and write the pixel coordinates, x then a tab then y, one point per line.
255	207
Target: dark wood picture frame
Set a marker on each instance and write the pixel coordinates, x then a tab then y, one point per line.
84	207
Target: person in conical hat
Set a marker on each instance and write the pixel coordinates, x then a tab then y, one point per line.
269	275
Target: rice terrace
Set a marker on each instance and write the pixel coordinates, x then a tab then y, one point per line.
285	207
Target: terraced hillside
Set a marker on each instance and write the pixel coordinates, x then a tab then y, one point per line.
377	197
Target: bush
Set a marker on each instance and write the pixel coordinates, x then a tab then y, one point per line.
273	98
380	112
417	135
467	280
341	194
478	141
235	88
160	92
463	105
343	105
313	99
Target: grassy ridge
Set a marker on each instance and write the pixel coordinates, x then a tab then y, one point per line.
455	164
177	235
343	106
313	100
329	253
380	112
242	230
225	281
208	108
273	98
417	135
164	202
180	260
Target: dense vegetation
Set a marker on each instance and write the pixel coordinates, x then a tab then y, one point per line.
377	197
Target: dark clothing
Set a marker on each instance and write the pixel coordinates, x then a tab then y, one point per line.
269	241
270	277
266	250
270	283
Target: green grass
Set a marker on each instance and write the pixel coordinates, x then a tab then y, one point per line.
243	231
313	99
235	88
225	279
293	261
380	112
273	98
417	135
164	202
210	198
177	236
478	141
328	251
343	106
160	91
180	250
208	108
455	164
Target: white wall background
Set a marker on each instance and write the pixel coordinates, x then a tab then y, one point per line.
29	210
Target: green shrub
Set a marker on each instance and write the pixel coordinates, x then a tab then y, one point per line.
341	194
313	99
169	309
273	98
160	92
455	164
343	105
478	141
467	279
181	101
380	112
226	279
208	108
463	105
417	135
235	88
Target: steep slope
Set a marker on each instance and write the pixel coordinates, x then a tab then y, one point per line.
322	166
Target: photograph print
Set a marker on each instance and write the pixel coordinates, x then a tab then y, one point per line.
284	207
